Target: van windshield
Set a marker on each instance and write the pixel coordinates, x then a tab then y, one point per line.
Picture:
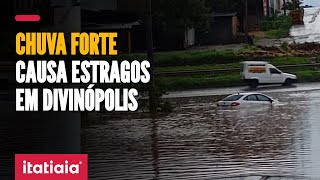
275	71
232	98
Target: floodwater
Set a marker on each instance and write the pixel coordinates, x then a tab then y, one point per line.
310	31
198	141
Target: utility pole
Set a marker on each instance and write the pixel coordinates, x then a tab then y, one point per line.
284	7
152	99
246	21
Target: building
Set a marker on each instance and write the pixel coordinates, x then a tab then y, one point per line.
98	15
256	12
223	30
127	25
123	17
274	7
272	10
278	6
132	6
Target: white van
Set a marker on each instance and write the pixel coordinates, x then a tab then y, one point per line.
256	73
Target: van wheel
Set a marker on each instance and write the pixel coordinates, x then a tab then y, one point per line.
253	84
288	82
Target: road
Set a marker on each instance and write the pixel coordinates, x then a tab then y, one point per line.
231	90
198	141
310	31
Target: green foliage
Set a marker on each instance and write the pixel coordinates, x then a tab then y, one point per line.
195	58
277	26
285	46
184	58
205	81
294	4
248	48
289	60
318	59
224	6
183	14
208	59
230	79
308	75
275	61
276	22
277	33
226	80
203	60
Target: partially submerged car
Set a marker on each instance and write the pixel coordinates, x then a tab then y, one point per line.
246	99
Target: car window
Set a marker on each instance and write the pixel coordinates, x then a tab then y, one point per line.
274	71
251	98
263	98
232	98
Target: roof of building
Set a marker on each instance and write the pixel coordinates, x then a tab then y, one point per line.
108	17
224	14
113	26
104	19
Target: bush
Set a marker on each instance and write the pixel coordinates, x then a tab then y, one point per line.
308	75
278	33
285	46
205	81
276	22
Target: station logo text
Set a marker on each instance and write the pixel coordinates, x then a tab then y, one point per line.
51	166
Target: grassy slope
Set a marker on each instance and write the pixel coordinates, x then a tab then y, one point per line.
228	80
276	62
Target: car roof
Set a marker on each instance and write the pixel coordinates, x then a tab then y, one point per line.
255	62
249	93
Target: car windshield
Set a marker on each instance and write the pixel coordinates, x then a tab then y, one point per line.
232	98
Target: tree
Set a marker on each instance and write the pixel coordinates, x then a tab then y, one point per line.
173	17
224	6
227	6
181	13
293	5
297	4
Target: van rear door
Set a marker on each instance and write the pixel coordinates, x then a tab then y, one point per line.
242	71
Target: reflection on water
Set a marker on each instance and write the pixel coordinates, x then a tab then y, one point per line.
198	141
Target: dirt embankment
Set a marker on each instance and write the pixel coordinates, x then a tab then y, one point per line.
306	50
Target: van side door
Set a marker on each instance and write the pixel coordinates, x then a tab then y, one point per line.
275	76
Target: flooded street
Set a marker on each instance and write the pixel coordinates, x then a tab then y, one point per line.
198	141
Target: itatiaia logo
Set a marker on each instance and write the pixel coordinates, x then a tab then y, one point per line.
51	168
